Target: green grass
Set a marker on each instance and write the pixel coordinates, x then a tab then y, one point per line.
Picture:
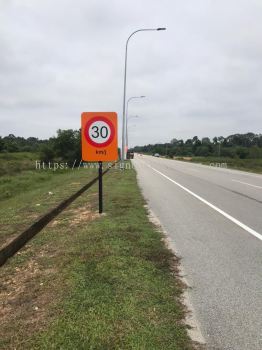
17	173
20	174
252	165
15	163
107	281
26	196
25	181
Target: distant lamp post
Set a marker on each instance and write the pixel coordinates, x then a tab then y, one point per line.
127	119
126	131
124	97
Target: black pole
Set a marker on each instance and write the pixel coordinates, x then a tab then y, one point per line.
100	187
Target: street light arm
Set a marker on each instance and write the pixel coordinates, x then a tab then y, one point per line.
132	116
130	98
142	30
126	118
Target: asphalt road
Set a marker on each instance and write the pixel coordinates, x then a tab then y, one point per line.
214	218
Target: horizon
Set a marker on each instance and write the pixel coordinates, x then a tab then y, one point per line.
161	142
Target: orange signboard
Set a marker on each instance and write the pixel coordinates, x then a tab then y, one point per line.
99	136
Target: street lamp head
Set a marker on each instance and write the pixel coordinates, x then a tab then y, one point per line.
161	28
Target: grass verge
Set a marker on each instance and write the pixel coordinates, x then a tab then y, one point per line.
251	165
33	193
14	163
95	282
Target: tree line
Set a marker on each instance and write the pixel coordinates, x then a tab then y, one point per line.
66	146
241	146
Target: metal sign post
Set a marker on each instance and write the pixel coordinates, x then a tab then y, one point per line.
100	187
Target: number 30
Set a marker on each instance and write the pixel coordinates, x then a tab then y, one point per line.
103	132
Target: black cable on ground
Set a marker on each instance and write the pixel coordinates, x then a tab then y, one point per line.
16	244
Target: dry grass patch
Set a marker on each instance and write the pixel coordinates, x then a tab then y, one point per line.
25	297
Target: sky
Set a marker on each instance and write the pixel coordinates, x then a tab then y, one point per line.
202	76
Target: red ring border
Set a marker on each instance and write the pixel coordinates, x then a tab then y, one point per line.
106	120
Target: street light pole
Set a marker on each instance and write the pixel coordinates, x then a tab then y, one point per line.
131	98
124	97
127	119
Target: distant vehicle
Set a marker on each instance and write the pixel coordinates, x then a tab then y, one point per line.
130	155
156	155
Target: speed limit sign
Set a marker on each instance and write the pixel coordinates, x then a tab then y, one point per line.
99	136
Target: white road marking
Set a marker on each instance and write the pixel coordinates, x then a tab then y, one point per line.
245	183
229	217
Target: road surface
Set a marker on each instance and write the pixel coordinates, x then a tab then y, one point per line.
214	218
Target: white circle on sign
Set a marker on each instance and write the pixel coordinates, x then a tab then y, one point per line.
99	132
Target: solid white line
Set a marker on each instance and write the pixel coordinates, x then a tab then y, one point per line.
229	217
245	183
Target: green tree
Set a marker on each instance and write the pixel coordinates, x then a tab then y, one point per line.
47	153
206	141
67	145
1	144
242	152
255	152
